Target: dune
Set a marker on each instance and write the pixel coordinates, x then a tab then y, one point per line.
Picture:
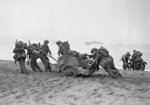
41	88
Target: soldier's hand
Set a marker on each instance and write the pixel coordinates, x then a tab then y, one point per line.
58	57
50	55
36	52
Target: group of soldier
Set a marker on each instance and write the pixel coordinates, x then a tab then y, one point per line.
133	62
100	56
35	51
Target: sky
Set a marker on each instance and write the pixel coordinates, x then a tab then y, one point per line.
107	21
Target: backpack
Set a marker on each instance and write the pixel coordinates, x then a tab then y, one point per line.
137	54
67	45
103	51
21	53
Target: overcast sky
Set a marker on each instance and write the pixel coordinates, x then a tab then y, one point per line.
108	21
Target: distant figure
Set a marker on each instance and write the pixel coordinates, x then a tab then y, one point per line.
125	59
45	52
64	47
20	56
103	59
33	56
137	62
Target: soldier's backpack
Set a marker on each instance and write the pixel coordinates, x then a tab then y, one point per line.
103	51
20	54
67	45
138	54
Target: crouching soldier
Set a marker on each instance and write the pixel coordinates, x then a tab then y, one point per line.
45	52
103	59
137	60
20	56
33	56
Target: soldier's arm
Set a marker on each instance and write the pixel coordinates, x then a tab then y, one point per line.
15	50
92	55
96	57
59	52
49	50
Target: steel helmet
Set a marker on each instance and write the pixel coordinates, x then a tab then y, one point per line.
46	41
93	50
58	42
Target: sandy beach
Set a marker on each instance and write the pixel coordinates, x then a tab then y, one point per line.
37	88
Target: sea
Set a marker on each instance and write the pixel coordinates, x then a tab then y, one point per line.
116	50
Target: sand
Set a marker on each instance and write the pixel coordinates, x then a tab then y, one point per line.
52	89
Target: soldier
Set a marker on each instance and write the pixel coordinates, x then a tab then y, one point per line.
103	59
45	52
20	56
93	53
137	56
33	56
125	59
63	50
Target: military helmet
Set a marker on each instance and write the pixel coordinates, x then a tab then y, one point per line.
128	53
46	41
93	50
134	51
59	42
35	45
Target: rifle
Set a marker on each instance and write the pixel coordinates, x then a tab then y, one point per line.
33	48
39	45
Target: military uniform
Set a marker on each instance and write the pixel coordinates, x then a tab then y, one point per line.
33	56
44	58
20	56
106	61
125	58
62	48
62	51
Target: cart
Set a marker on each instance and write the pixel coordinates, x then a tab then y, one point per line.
74	64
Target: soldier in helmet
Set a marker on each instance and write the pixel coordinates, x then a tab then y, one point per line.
93	53
62	49
125	59
45	52
20	56
33	56
102	58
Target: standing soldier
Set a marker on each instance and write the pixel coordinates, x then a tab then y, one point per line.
45	52
20	56
33	56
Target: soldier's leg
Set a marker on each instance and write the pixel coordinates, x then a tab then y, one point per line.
44	63
22	65
37	66
48	66
32	64
112	71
